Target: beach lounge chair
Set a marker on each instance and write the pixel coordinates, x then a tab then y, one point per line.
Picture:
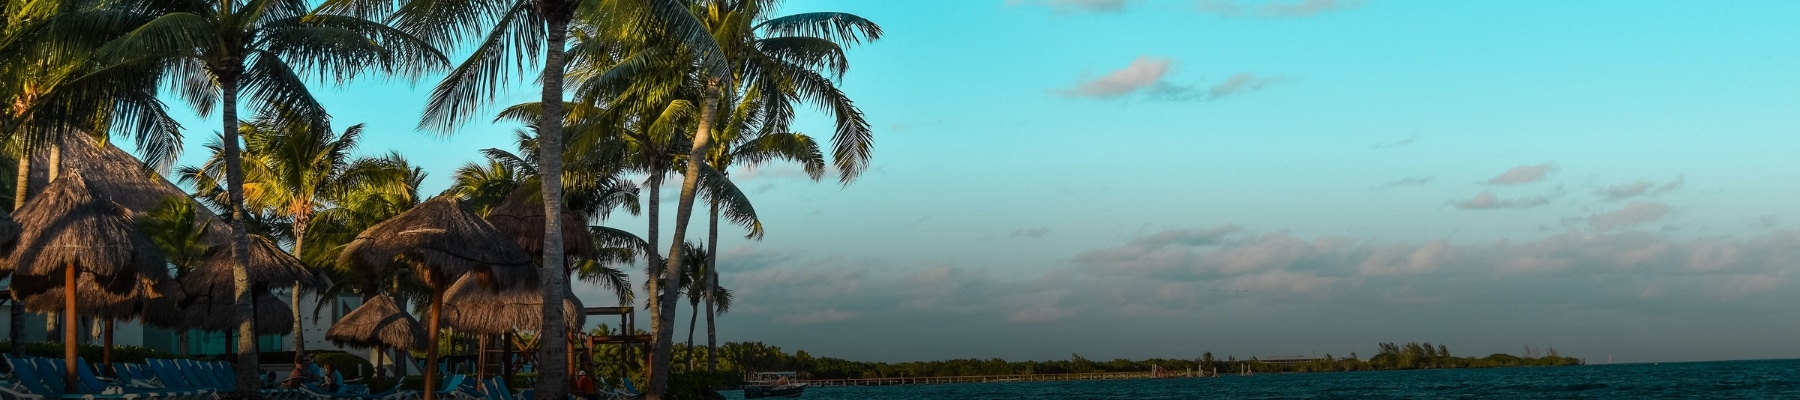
38	377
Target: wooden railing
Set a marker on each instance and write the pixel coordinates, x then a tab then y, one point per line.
929	380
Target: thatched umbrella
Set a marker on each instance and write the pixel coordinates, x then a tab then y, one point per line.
475	309
469	307
217	312
443	240
269	266
69	231
521	216
377	323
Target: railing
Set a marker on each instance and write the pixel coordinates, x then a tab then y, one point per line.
930	380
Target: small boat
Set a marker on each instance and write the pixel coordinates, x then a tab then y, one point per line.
773	384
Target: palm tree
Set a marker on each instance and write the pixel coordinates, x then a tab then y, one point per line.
512	30
176	227
743	141
696	283
788	59
259	49
295	169
53	87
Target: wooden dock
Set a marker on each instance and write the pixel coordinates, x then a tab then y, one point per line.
933	380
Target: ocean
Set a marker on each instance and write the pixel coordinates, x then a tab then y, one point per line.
1763	379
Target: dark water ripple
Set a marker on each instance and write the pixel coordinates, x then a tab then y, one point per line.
1769	379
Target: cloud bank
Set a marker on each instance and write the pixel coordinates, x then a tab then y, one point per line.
1256	293
1147	75
1096	6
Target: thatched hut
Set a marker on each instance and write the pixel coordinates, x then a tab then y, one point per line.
521	216
379	322
69	231
443	240
270	266
472	308
219	314
9	230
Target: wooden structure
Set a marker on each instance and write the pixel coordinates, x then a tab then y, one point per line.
929	380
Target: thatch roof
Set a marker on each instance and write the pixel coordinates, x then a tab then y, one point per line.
68	224
379	322
521	216
269	265
445	240
470	307
92	300
118	175
218	314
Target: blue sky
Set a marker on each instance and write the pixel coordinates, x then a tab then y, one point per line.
1139	178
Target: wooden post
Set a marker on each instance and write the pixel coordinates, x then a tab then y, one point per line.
481	361
106	349
431	351
69	331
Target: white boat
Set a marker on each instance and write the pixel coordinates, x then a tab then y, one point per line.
773	384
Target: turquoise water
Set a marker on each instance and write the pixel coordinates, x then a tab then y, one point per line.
1720	379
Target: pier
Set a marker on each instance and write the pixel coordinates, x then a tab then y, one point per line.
932	380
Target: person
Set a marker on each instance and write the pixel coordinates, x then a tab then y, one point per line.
268	380
783	381
302	373
327	380
585	387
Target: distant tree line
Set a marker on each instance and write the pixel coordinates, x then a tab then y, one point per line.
741	357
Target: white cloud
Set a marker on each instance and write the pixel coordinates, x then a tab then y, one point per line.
1624	191
1487	200
1523	174
1241	83
1274	8
1098	6
1143	72
1634	213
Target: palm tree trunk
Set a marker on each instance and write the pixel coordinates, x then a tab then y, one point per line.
651	256
692	319
300	223
16	314
712	285
690	181
240	241
553	382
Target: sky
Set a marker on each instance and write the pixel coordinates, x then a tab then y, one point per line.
1162	178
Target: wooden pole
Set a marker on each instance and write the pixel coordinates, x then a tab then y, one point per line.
106	349
481	363
431	339
69	331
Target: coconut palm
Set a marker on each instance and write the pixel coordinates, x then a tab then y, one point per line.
788	59
697	285
743	141
294	169
260	49
176	227
512	30
52	87
594	193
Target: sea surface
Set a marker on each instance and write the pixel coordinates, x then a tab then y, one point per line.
1763	379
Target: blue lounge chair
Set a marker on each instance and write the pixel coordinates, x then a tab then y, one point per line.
33	374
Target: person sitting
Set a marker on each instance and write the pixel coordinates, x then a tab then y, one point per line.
782	381
268	380
301	375
585	388
327	380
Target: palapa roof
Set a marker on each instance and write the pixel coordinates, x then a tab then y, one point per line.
67	224
445	240
269	265
217	314
92	300
118	175
521	216
379	322
470	307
